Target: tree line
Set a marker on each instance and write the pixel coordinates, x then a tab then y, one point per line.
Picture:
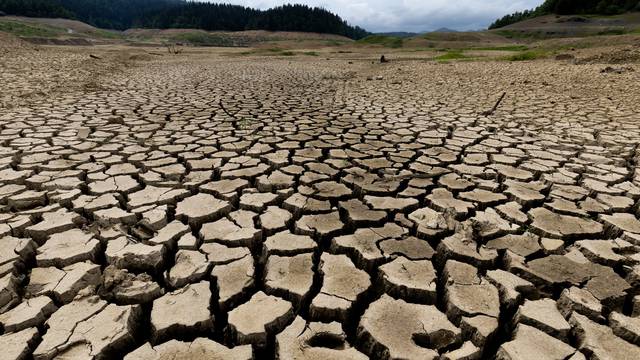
569	7
165	14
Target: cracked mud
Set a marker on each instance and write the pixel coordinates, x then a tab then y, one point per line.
202	206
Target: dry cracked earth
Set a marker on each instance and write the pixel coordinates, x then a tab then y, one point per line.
208	207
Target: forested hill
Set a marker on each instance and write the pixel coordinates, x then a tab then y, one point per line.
164	14
570	7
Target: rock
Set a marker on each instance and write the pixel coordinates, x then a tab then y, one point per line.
599	342
135	256
396	329
342	284
430	223
30	313
443	200
200	348
262	315
413	281
183	311
63	284
190	266
289	277
315	341
530	343
121	286
544	315
66	248
17	346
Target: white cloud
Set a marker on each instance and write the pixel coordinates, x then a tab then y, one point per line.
410	15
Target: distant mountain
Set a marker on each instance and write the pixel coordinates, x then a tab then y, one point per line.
165	14
400	34
570	7
444	30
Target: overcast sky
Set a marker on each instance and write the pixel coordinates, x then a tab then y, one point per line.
410	15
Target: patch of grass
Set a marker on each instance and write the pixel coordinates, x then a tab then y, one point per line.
536	35
502	48
29	30
452	55
335	42
106	34
203	39
382	40
273	52
526	56
618	31
310	53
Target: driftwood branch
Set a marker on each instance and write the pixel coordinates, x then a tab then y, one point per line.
495	107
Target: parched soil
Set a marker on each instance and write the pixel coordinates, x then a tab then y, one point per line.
204	205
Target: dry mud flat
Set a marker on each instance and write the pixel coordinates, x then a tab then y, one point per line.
235	208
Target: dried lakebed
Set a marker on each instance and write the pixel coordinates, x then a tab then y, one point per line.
209	207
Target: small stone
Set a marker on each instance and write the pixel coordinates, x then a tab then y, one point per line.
127	288
125	254
190	266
